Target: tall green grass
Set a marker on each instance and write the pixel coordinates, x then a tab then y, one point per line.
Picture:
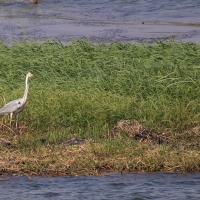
85	89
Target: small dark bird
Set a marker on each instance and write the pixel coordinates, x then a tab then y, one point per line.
35	1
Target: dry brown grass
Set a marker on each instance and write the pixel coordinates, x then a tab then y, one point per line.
128	147
96	158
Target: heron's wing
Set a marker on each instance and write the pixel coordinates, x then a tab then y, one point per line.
12	107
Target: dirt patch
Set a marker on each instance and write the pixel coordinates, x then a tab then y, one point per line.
135	130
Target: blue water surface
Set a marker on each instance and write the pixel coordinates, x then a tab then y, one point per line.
141	186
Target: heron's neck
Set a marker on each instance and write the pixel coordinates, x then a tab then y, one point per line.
26	90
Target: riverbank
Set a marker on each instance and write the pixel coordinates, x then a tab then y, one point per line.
107	31
113	154
95	108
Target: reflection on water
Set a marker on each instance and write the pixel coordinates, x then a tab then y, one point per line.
162	186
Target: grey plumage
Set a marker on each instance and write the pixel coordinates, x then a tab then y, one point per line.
16	106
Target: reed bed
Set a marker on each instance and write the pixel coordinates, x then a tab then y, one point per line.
83	90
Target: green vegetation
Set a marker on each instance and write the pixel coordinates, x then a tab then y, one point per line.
83	90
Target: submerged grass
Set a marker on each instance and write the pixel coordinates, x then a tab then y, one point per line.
83	90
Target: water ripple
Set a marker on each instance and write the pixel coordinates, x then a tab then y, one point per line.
162	186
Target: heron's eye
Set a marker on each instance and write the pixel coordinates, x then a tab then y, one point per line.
19	103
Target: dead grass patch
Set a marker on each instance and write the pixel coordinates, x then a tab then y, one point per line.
129	148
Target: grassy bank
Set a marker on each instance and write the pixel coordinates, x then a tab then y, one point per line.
84	90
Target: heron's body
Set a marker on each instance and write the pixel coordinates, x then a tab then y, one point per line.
16	106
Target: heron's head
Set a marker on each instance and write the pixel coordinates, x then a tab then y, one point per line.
29	74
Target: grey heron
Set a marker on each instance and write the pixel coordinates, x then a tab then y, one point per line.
16	106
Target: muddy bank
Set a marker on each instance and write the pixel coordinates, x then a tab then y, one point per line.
39	29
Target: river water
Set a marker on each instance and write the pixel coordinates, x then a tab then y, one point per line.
100	20
142	186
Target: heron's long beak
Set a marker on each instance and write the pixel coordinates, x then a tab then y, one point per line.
30	75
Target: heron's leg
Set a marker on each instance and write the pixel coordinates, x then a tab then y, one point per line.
11	114
17	117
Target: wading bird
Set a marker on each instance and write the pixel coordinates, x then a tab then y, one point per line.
16	106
